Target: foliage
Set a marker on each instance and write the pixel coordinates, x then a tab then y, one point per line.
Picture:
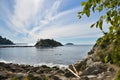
109	43
118	76
4	41
111	8
14	78
112	16
108	58
25	78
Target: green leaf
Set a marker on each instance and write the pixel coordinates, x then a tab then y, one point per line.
98	1
100	24
94	1
97	24
93	8
112	23
108	18
114	12
79	16
108	13
83	3
79	12
87	13
92	26
99	8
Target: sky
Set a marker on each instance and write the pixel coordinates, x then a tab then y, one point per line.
26	21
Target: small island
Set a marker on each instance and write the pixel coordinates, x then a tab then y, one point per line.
4	41
69	44
47	43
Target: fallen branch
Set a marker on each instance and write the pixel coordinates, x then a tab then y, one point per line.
74	73
74	69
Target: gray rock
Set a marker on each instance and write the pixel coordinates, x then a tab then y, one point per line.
94	69
68	74
84	78
89	62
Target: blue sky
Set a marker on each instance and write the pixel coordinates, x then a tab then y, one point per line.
27	21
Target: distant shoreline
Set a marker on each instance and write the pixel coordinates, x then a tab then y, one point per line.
14	46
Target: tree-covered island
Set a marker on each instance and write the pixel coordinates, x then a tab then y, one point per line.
47	43
4	41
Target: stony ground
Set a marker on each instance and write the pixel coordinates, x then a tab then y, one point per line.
96	70
86	69
25	72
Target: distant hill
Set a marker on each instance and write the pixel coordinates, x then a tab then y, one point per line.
4	41
47	43
69	44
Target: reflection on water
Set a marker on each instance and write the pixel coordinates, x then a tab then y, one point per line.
33	56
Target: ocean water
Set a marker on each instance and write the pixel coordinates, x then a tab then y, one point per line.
63	55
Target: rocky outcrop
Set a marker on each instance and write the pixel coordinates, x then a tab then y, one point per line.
26	72
88	69
47	43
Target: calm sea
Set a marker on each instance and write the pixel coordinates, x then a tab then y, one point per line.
63	55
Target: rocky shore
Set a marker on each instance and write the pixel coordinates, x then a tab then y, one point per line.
26	72
90	68
87	69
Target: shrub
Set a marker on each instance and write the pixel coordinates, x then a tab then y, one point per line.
118	76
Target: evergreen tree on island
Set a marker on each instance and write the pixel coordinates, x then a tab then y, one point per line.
4	41
47	43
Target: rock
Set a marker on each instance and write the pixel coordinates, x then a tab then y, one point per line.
80	66
32	77
39	71
20	75
95	69
89	69
55	68
84	78
44	66
44	69
34	69
60	71
100	76
89	62
110	69
3	75
93	50
55	78
68	74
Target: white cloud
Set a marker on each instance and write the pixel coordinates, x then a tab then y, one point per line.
48	22
58	18
25	12
71	30
52	11
49	14
58	29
